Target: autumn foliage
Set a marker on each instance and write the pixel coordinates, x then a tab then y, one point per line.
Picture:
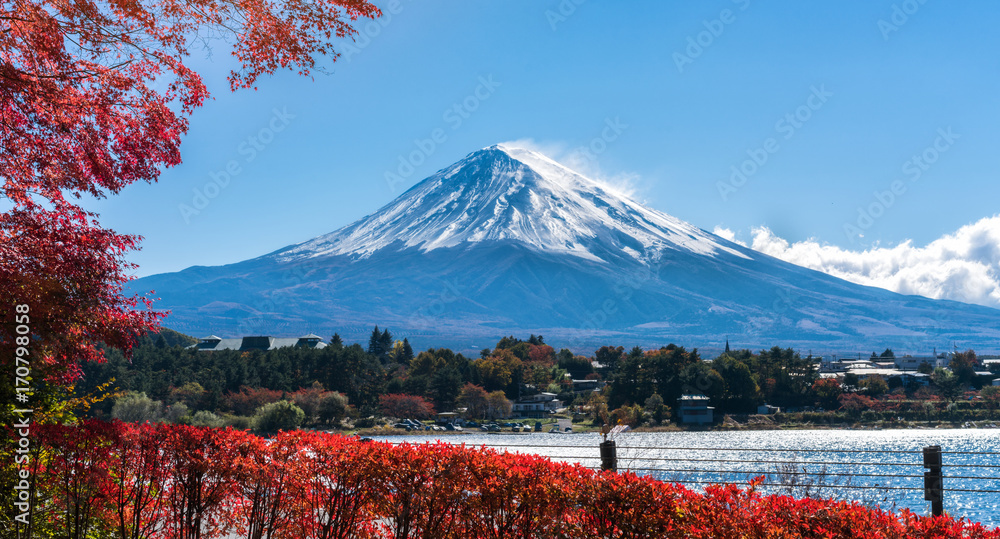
405	406
160	481
94	96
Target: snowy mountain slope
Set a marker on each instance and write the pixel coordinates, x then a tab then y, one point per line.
503	193
509	241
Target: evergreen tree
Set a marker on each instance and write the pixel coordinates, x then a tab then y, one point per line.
407	352
608	356
445	386
373	342
336	341
508	342
385	343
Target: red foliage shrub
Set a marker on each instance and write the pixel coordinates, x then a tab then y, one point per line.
405	406
160	481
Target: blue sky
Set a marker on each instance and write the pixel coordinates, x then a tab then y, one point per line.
558	72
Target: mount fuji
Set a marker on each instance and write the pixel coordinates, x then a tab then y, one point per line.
508	241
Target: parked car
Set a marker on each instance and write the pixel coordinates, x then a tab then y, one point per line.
472	424
538	426
402	425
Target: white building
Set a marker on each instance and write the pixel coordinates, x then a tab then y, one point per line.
536	406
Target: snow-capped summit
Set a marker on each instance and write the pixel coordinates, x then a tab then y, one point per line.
509	194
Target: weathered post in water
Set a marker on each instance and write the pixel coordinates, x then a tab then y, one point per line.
934	479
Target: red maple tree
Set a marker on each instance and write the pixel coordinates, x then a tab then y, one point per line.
405	406
80	114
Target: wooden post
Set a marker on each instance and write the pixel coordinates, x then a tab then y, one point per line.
934	479
609	456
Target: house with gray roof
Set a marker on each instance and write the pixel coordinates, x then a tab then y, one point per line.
258	342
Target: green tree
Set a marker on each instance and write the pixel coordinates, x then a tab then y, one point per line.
332	408
190	393
662	372
874	386
277	416
375	342
741	395
628	382
656	409
385	341
380	344
445	386
699	377
136	407
175	413
609	356
508	342
577	366
964	365
785	377
204	418
407	352
947	384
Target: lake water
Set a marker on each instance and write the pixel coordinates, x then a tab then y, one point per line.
851	460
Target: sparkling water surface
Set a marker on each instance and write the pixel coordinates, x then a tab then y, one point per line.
840	454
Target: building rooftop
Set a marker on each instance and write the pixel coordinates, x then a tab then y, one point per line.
257	342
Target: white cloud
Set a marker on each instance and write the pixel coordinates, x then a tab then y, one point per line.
728	234
963	266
